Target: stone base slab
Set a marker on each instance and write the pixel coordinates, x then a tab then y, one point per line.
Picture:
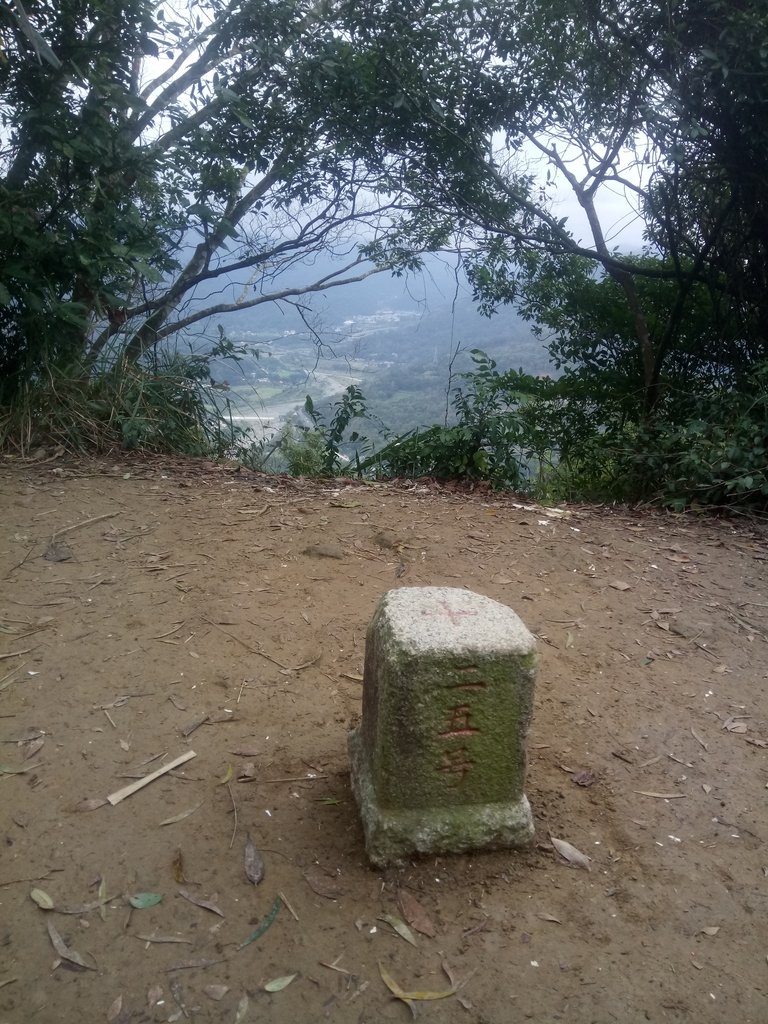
392	834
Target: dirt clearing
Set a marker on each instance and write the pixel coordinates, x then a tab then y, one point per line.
157	607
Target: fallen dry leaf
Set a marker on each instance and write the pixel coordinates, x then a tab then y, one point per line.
698	739
400	927
457	985
415	914
322	882
103	898
114	1010
395	989
89	805
64	951
571	854
733	723
253	862
659	796
619	585
242	1009
278	984
31	746
200	902
178	867
182	814
193	965
42	899
216	992
154	995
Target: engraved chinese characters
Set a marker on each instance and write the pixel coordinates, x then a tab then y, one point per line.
438	761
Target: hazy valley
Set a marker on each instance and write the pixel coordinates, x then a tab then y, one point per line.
402	342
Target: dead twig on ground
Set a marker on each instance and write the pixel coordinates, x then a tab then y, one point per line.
121	794
85	522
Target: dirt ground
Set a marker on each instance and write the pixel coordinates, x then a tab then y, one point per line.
153	607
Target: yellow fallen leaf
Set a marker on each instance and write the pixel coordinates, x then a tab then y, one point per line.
227	777
395	989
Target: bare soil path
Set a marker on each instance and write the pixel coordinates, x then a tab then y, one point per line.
153	607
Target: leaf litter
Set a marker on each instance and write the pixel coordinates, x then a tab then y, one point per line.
322	882
708	729
410	997
278	984
42	899
415	914
31	746
264	925
178	867
182	814
400	927
45	902
143	900
571	854
90	805
253	862
64	951
200	902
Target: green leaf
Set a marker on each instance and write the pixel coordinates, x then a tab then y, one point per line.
265	924
142	900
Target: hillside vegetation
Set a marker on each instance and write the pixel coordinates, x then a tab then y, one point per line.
166	167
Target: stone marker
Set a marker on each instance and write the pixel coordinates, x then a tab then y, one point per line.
438	761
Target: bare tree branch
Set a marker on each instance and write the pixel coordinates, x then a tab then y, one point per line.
329	281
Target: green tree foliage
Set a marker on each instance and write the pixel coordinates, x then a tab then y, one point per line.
659	100
487	441
663	102
156	155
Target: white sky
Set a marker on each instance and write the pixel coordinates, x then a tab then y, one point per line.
621	225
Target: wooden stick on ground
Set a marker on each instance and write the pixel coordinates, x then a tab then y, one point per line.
85	522
121	794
